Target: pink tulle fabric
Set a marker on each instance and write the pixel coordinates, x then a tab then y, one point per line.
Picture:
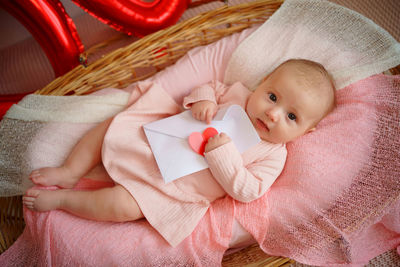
337	202
57	238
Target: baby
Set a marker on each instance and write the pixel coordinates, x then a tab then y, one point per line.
287	104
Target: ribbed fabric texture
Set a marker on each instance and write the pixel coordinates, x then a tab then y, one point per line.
174	209
251	180
200	94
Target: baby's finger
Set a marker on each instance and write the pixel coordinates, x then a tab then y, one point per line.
209	116
225	137
201	115
194	114
197	115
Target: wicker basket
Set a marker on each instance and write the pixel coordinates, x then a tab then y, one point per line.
141	60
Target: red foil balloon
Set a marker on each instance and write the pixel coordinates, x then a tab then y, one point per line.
53	29
135	16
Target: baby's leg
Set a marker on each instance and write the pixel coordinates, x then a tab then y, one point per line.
84	156
114	204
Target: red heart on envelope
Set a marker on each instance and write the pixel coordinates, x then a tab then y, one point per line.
197	141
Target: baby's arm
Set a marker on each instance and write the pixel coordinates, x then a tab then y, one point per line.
245	183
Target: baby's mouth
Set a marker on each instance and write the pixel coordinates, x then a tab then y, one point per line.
261	125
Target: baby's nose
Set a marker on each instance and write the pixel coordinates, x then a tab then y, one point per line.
273	114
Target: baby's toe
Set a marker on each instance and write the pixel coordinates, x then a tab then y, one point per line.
35	175
30	198
28	202
32	193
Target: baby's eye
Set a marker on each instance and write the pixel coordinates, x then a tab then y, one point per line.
272	97
291	116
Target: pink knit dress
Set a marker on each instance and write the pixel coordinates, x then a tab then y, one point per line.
174	209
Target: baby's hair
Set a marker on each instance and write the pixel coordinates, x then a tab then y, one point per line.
321	69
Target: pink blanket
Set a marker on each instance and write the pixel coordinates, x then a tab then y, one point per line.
336	203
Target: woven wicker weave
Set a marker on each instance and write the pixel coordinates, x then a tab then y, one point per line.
138	61
154	52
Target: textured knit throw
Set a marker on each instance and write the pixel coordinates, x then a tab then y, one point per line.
40	131
349	45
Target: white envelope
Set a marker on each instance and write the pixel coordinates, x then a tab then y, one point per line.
168	139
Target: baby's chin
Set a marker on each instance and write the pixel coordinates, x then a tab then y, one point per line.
270	139
264	137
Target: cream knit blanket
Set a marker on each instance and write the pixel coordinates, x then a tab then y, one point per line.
41	130
349	45
75	109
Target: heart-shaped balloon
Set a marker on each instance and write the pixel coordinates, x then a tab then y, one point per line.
52	28
197	141
135	16
56	33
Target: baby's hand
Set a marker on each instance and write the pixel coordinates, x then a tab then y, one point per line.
204	110
217	141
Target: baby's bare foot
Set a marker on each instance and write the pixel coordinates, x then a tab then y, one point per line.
42	200
53	176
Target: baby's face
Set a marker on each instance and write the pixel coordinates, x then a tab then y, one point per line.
287	105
